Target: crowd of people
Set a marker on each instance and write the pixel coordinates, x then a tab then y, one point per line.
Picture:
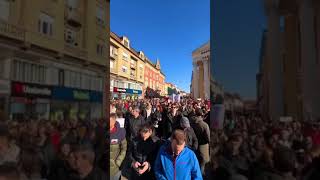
159	139
250	148
48	150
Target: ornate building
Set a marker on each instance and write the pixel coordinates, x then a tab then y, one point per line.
200	85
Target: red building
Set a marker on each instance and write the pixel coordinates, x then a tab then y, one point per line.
153	77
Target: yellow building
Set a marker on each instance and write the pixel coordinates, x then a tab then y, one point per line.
55	52
126	68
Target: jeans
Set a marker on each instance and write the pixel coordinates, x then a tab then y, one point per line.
116	177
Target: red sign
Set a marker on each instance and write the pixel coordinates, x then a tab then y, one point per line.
120	90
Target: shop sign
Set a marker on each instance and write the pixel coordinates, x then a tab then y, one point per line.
120	90
70	94
133	91
81	95
4	87
21	89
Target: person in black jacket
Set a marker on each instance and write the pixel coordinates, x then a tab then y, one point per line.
143	153
133	124
202	131
192	140
172	121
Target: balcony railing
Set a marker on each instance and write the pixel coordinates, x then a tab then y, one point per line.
132	76
75	51
132	66
11	31
73	17
113	55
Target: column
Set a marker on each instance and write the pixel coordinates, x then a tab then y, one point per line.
274	60
310	82
195	85
206	79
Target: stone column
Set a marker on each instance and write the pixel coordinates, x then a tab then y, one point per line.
310	79
274	60
206	79
195	81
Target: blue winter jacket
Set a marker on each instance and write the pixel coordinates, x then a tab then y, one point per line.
184	167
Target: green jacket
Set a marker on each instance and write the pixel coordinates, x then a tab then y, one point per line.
118	148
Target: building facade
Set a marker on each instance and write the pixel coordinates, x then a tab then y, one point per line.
126	69
53	58
291	69
200	86
153	76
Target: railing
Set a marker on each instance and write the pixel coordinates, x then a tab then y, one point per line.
11	31
113	55
75	51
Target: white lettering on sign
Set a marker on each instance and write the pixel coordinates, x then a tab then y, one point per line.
121	90
34	90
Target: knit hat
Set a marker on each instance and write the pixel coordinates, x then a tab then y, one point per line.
184	122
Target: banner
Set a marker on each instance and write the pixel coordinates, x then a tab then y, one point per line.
217	116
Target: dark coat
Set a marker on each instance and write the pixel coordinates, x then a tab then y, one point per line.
202	130
171	123
142	151
133	125
61	170
192	140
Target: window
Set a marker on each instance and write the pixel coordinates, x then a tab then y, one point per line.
126	43
45	24
100	49
124	69
101	16
70	37
113	51
111	64
61	77
125	56
4	9
27	72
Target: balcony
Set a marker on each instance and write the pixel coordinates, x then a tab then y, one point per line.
113	55
11	31
113	70
132	66
73	17
75	51
132	76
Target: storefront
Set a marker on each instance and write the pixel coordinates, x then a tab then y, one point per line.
4	96
30	101
123	93
70	104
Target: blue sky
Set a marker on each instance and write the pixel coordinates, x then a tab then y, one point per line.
237	33
166	29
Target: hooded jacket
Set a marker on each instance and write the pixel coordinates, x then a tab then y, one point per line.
184	166
192	140
202	130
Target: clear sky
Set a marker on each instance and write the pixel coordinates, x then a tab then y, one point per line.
166	29
237	34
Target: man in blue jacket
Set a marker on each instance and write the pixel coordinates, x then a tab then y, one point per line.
175	161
